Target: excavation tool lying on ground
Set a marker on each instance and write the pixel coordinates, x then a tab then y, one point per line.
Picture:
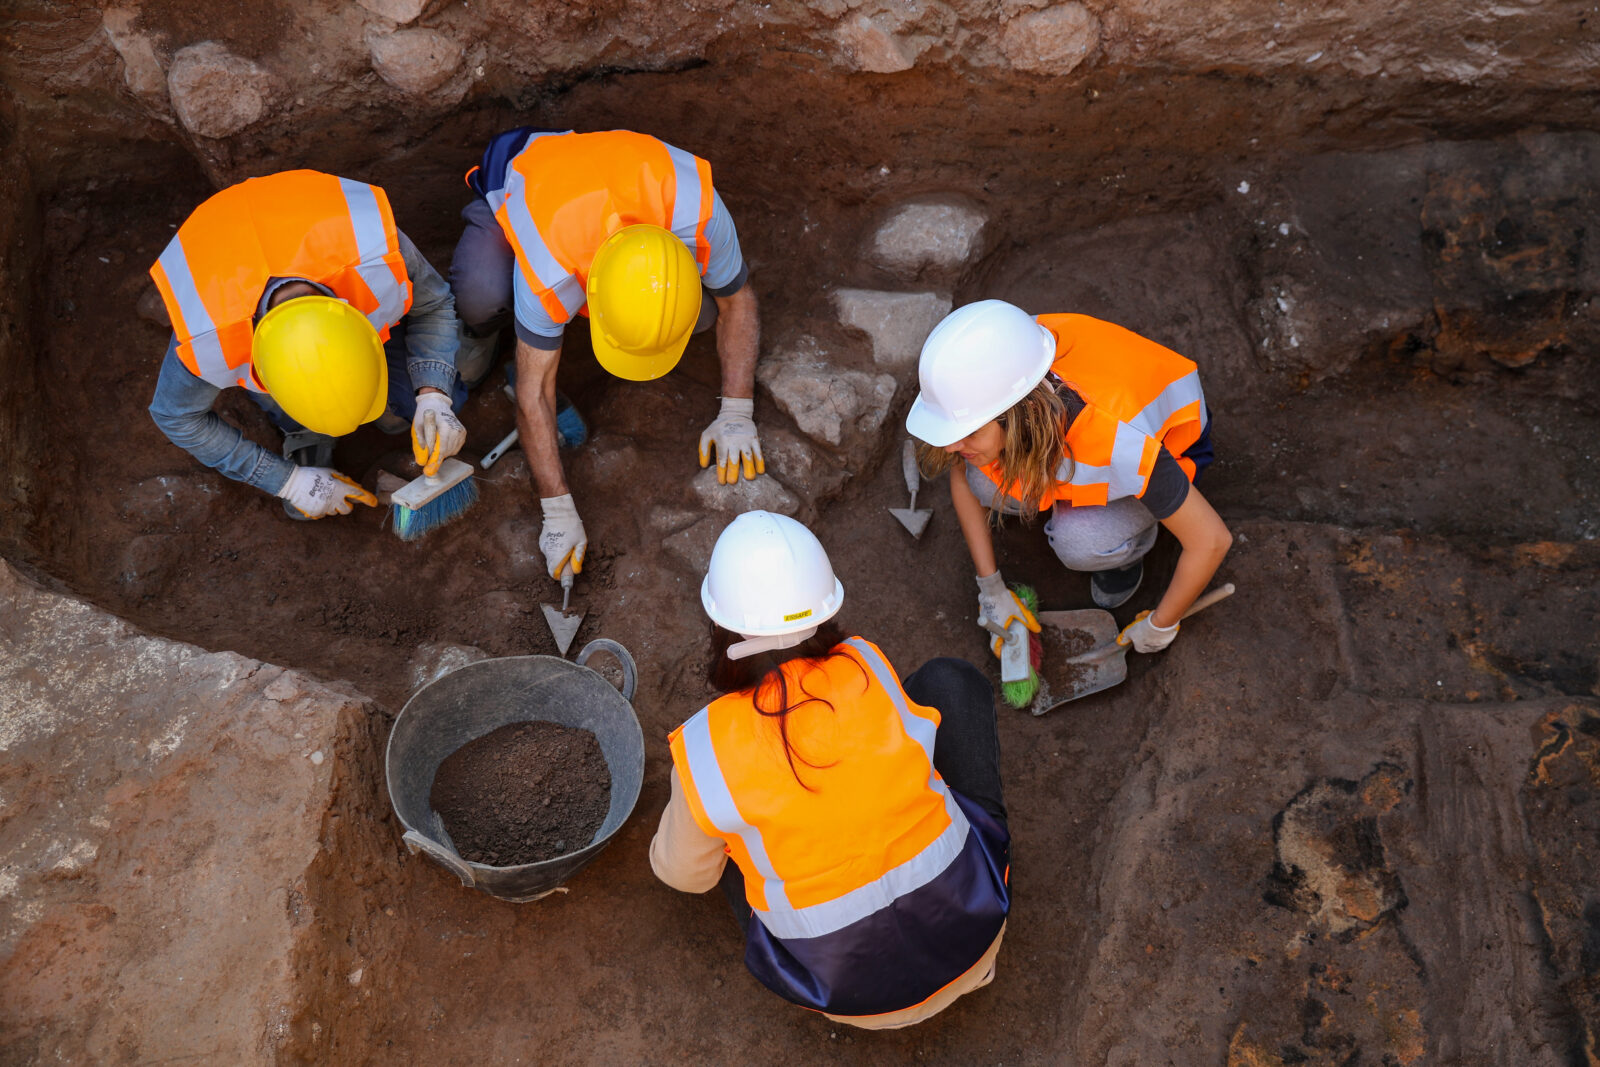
563	627
1072	673
912	518
478	699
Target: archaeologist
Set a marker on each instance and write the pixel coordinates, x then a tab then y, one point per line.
864	817
1098	426
629	231
299	288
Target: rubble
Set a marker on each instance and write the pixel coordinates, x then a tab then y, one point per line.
216	93
829	404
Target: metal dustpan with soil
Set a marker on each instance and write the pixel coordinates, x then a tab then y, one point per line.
1081	653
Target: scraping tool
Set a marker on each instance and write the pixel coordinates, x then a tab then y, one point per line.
1105	664
563	627
913	518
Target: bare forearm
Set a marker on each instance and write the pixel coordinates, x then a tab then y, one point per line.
536	418
1205	540
974	520
738	341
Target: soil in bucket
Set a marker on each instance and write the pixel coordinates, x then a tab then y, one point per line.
527	792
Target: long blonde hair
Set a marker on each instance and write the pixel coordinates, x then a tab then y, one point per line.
1034	450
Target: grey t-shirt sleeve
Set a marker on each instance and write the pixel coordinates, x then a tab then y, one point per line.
1167	488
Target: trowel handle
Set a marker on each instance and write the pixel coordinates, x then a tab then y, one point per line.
908	467
1222	592
493	455
630	673
995	628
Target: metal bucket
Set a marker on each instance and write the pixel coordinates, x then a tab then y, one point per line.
479	699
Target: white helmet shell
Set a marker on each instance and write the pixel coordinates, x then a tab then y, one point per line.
979	361
769	576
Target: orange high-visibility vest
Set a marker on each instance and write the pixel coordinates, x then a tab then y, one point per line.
297	224
1137	397
877	821
565	193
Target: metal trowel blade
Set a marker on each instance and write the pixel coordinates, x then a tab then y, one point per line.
913	519
563	627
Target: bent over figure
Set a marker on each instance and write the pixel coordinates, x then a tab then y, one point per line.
864	817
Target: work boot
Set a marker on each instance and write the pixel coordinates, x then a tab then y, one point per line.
1111	589
475	355
306	448
571	430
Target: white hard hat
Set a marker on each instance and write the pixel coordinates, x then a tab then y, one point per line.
979	361
770	577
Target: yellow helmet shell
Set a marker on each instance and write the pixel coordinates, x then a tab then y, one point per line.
322	361
644	299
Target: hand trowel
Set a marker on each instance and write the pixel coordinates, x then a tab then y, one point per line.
563	627
912	518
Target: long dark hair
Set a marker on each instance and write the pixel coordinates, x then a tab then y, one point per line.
763	676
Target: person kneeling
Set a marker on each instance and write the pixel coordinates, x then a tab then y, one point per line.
864	818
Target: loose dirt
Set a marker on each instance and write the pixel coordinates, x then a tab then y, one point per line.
527	792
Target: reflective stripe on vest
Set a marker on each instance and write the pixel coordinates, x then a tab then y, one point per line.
778	915
553	245
333	231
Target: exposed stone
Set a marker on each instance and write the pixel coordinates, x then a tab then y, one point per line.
694	543
827	403
401	11
1053	41
898	323
797	463
216	93
763	494
665	520
433	661
163	807
873	46
941	236
141	67
414	61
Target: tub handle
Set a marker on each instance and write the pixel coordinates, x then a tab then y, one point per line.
630	673
449	860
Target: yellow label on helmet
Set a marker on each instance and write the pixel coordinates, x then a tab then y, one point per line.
797	615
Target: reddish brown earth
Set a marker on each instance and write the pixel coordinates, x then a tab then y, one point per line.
1348	818
526	792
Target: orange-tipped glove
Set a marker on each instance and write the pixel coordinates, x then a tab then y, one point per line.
1146	636
436	433
562	538
1000	606
317	492
732	436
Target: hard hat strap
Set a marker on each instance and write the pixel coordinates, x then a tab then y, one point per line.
752	646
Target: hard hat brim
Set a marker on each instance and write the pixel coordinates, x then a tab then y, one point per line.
631	365
739	626
926	423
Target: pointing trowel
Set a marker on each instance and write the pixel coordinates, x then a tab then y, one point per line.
563	627
912	518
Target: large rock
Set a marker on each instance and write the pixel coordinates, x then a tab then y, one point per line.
414	61
141	66
874	47
898	323
1053	41
764	494
829	404
400	11
938	236
163	806
216	93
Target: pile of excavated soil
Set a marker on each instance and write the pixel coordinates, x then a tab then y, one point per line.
527	792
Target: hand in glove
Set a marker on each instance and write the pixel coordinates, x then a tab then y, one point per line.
1145	635
561	538
732	435
317	492
1000	606
436	433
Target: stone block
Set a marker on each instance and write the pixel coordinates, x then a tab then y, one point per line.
1053	41
805	469
400	11
940	236
843	408
141	66
898	323
763	494
414	61
694	543
874	47
216	93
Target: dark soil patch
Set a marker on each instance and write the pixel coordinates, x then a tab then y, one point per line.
527	792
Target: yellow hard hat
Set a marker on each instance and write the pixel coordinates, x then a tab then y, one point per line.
322	361
644	299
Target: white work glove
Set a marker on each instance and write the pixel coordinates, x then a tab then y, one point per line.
317	492
1000	606
436	433
561	538
732	435
1145	635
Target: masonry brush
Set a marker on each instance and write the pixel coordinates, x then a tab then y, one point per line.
1019	693
424	504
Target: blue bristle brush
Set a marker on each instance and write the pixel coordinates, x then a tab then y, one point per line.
424	504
